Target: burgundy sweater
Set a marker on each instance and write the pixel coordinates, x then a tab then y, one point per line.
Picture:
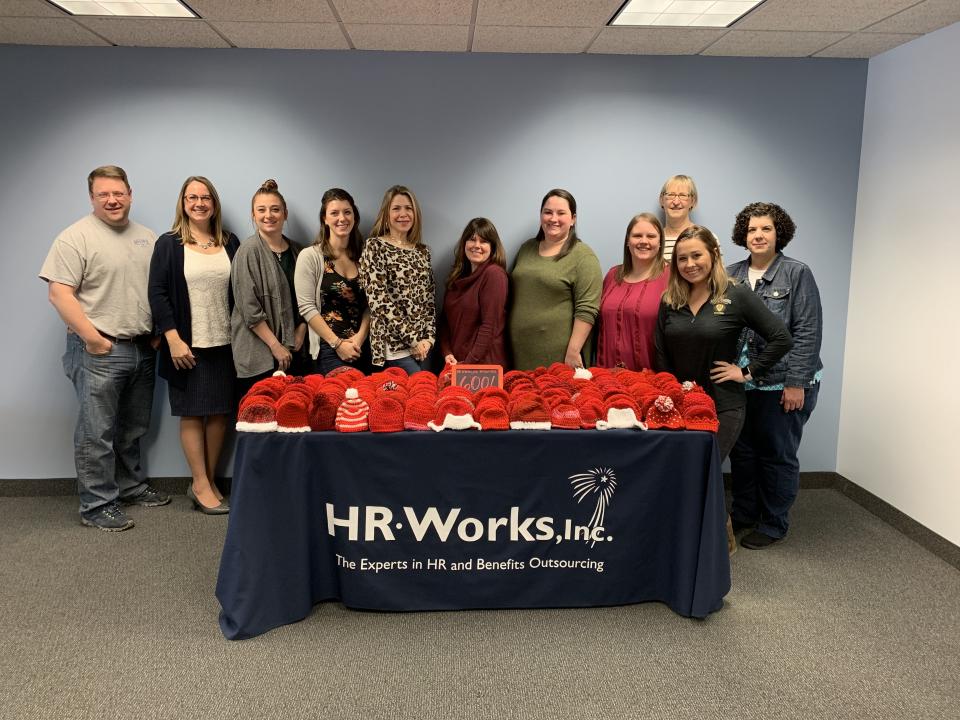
474	317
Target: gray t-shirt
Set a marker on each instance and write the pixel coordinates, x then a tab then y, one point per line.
108	266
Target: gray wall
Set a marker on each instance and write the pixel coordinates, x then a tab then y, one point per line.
471	134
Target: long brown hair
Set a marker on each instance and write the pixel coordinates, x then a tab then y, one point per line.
181	223
677	293
381	226
354	242
485	230
658	262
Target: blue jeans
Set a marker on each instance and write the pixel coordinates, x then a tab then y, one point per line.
407	363
327	360
115	392
764	464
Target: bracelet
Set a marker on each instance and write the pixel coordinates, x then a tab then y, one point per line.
336	344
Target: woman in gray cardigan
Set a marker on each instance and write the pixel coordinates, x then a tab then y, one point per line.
267	331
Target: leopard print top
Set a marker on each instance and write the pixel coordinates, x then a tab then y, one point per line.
401	296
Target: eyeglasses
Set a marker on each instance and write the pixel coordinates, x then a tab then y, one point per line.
198	198
682	197
116	195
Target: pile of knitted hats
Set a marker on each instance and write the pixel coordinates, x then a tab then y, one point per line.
546	398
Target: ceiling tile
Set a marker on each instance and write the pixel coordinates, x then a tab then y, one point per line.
155	32
760	43
405	12
826	15
490	38
547	13
273	11
29	8
45	31
662	41
291	36
923	18
435	38
865	45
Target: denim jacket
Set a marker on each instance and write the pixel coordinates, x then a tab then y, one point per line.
790	292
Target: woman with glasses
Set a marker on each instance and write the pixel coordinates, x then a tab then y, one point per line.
190	300
268	332
396	274
766	472
631	298
327	280
678	198
556	290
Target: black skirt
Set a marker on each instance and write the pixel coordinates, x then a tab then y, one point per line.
210	385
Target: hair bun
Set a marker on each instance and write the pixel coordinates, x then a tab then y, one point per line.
269	186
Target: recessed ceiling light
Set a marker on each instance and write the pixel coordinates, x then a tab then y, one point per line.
126	8
685	13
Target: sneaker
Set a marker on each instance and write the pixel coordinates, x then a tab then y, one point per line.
109	518
148	498
758	541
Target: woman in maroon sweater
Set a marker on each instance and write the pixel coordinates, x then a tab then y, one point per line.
475	305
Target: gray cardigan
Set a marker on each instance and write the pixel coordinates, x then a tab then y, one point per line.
261	292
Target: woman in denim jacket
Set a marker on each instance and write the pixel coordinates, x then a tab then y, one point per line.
766	472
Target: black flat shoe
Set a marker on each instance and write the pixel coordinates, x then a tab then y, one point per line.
221	509
758	541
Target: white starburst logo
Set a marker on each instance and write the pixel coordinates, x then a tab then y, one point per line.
600	482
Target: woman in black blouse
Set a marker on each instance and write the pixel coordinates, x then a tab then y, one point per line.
698	329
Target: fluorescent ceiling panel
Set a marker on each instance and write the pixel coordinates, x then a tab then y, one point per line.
685	13
125	8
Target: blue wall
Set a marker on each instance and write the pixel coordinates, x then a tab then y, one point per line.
471	134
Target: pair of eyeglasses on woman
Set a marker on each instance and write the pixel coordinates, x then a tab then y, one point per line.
198	198
677	196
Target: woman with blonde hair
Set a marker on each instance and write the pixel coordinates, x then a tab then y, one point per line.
699	323
631	298
190	300
678	198
268	332
475	305
396	274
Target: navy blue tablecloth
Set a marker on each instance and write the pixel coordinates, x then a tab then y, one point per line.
457	520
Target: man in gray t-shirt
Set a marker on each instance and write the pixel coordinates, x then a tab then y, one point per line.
97	271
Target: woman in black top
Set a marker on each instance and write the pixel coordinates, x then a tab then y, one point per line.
698	329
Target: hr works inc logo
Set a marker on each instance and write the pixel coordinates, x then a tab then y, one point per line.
378	522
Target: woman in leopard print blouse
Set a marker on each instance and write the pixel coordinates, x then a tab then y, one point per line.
396	275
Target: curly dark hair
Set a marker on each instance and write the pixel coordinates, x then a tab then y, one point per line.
782	223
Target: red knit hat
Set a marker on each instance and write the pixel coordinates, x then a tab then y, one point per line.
664	414
692	399
293	413
456	391
418	411
565	416
492	414
591	409
386	414
553	395
323	410
353	413
512	377
398	374
491	392
345	372
700	417
453	413
527	412
560	370
258	415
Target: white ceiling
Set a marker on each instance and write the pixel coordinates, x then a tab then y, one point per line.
777	28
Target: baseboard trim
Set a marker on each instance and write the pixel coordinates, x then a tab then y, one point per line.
53	487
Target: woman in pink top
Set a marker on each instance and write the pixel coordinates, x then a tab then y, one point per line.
631	297
475	305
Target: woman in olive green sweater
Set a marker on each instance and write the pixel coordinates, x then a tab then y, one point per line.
556	283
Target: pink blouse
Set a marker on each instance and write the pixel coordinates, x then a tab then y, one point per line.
628	319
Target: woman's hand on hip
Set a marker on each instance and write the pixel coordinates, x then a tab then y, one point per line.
725	372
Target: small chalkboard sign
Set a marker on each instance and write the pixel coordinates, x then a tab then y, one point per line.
477	377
